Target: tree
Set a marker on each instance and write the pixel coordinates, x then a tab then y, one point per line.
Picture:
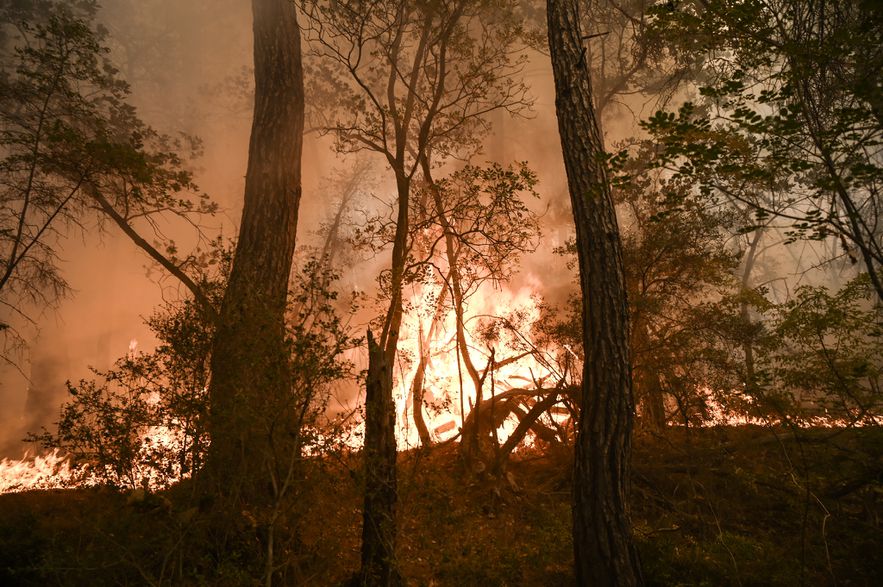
405	79
75	152
603	548
250	401
678	260
789	121
484	227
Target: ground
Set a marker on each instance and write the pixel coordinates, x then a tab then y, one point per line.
720	506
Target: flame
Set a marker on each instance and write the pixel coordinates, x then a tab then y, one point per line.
55	470
445	370
717	414
49	471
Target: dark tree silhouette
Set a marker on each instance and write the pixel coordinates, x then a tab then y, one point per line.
249	382
603	549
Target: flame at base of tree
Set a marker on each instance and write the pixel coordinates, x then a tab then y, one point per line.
498	326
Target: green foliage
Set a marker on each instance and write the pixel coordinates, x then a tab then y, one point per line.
817	355
828	362
486	210
318	333
144	422
74	151
788	123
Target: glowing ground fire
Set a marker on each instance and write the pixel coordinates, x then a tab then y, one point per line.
498	331
49	471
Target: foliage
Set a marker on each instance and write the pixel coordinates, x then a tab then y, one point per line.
679	263
144	422
485	212
788	124
74	152
318	333
828	359
488	218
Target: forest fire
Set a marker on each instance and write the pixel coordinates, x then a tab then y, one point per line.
55	470
429	285
49	471
498	324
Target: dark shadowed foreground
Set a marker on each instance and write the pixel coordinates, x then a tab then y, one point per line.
747	506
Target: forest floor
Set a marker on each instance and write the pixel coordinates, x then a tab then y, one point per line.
716	506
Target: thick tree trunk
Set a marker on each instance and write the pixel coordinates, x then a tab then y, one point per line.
249	394
603	549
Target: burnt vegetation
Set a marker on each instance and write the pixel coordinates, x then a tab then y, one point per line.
396	395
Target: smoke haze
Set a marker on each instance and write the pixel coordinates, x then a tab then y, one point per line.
189	66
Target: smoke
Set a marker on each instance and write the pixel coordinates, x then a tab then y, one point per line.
189	66
176	56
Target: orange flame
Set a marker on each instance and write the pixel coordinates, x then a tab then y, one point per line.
442	383
49	471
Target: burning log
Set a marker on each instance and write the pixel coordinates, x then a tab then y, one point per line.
527	406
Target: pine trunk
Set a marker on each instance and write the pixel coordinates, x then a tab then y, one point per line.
603	549
249	392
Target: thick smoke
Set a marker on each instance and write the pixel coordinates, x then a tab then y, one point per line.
189	66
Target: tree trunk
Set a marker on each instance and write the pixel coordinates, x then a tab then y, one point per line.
646	380
417	391
745	313
654	403
249	392
603	549
379	514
